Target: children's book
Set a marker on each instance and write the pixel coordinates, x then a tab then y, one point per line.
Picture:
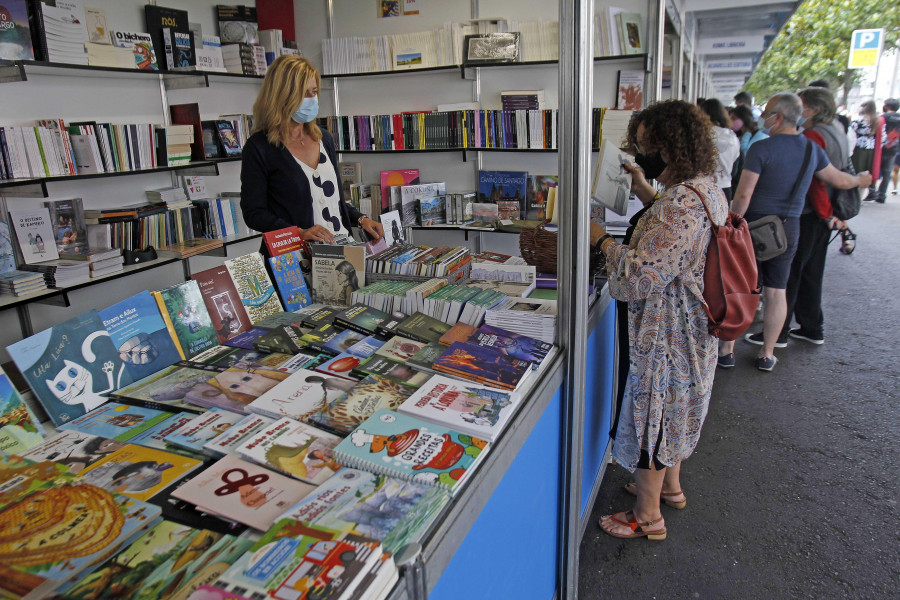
397	445
502	186
166	389
35	235
222	302
70	366
18	427
299	561
293	448
139	332
246	339
399	348
282	241
337	272
234	388
290	281
347	412
254	286
202	429
514	345
483	365
21	477
419	326
137	471
469	408
114	421
236	435
365	347
391	510
184	310
395	371
65	531
243	492
74	449
141	45
361	318
303	393
155	437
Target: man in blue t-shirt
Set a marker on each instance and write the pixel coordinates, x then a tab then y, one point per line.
771	170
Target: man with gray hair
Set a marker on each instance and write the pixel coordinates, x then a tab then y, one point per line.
774	182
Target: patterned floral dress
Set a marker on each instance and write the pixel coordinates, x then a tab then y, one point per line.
673	358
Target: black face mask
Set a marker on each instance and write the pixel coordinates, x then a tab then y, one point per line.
652	164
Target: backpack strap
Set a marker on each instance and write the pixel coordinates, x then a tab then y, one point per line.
703	202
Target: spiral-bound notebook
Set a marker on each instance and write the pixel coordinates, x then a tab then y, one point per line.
405	447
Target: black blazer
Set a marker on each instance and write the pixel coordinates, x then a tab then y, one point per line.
275	191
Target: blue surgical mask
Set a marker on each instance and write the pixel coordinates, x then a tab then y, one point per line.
309	110
801	121
761	123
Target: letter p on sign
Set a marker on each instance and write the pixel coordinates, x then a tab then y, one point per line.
865	48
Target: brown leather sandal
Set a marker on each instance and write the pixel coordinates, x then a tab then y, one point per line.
627	519
631	488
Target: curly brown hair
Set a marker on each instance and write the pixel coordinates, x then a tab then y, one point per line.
683	132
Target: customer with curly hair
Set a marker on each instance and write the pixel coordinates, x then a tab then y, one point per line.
659	273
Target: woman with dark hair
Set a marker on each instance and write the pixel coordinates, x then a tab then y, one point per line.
866	154
347	280
660	274
748	133
726	143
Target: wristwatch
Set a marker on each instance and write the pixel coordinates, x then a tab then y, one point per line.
360	220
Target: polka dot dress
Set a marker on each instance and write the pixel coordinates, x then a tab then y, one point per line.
323	185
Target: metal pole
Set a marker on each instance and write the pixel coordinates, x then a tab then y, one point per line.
575	91
659	39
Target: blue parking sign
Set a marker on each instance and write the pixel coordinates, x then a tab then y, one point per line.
865	47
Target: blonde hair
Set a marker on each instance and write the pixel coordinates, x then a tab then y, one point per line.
283	89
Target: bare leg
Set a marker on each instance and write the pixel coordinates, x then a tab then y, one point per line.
649	484
774	315
725	348
894	173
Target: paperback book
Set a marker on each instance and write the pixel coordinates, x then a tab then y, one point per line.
237	434
423	328
361	318
397	445
165	389
400	349
115	421
184	311
254	286
342	340
247	339
337	272
299	396
397	179
155	437
482	365
293	448
34	232
18	427
234	388
345	413
283	241
502	186
410	196
223	303
514	345
537	194
342	366
74	449
204	428
395	371
69	229
286	268
71	366
365	347
285	339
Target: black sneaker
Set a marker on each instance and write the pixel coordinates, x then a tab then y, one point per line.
726	361
765	364
813	338
757	338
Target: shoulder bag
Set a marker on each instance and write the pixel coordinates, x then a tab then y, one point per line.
845	204
767	233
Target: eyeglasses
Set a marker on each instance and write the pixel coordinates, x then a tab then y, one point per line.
767	114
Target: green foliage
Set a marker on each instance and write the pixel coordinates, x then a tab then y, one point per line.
815	44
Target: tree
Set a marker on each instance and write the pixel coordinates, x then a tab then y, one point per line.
815	44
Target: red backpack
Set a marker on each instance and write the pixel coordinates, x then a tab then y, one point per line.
730	280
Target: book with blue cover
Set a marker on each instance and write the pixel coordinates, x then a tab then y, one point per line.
503	186
512	344
202	429
483	365
114	421
139	332
155	437
343	341
246	339
71	366
397	445
290	281
365	347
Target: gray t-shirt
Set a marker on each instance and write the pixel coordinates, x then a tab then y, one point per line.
777	160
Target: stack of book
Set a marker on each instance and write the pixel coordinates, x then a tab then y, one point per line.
407	259
21	283
522	99
61	32
532	317
60	273
102	261
173	144
247	59
174	197
614	126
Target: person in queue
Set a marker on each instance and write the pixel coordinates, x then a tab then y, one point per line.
770	171
660	274
727	144
289	166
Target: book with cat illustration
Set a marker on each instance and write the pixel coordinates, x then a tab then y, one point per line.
115	421
71	366
242	491
254	286
223	303
397	445
293	448
300	395
19	429
166	389
183	310
391	510
373	392
138	331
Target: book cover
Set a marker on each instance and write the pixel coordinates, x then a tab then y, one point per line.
237	434
477	410
183	52
158	18
508	209
234	388
337	272
115	421
395	371
286	339
303	562
211	146
290	281
246	339
15	35
166	388
342	366
611	184
432	211
139	333
21	477
203	428
419	326
397	178
137	471
279	319
365	347
460	332
74	449
35	234
282	241
228	139
141	45
71	366
391	510
303	393
483	365
514	345
242	491
630	90
342	341
506	186
424	358
399	348
411	194
361	318
295	449
254	286
190	320
155	437
345	413
401	446
237	24
314	319
631	32
64	532
69	229
18	428
223	303
393	228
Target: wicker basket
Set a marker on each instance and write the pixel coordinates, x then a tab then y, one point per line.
538	247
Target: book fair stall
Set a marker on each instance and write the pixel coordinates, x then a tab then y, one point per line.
196	410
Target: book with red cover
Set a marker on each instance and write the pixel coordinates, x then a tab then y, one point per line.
395	178
282	241
222	302
189	114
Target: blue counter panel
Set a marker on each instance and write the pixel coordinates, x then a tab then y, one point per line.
600	373
510	551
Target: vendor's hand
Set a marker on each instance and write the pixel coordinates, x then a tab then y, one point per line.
865	179
317	233
372	227
596	233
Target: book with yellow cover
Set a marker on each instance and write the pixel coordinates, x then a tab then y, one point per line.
137	471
